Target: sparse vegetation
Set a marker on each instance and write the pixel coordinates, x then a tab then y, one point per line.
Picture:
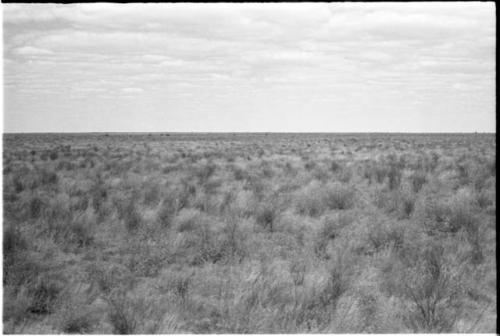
311	233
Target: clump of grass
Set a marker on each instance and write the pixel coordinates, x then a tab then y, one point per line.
394	177
311	200
329	230
47	178
434	215
485	198
128	212
384	234
380	173
418	179
98	194
345	174
405	203
108	277
77	319
188	220
339	196
151	194
492	166
122	315
179	284
205	171
13	241
335	166
462	213
298	269
432	288
267	214
16	304
44	294
233	240
167	211
335	286
81	230
53	155
318	308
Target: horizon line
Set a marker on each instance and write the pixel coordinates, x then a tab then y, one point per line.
242	132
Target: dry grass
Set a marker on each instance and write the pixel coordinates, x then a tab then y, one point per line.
310	233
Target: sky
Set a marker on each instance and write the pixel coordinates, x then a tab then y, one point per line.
296	67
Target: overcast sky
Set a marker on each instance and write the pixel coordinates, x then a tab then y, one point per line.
345	67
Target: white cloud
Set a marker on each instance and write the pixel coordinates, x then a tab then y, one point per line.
132	90
28	50
351	55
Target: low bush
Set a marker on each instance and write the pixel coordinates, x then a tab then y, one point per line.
385	234
44	294
394	177
122	315
339	196
431	287
310	200
266	215
189	220
418	179
77	320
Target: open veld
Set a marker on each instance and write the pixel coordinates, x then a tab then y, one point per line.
249	233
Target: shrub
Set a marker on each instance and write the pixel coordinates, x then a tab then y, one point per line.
418	179
122	315
188	220
98	194
77	320
44	294
339	196
109	277
205	171
334	166
461	216
267	213
332	225
380	173
151	194
53	155
47	177
298	271
335	286
319	307
233	240
81	230
345	174
129	214
239	174
16	304
491	166
167	211
432	288
18	183
434	215
180	284
394	176
383	234
485	198
310	200
13	241
405	202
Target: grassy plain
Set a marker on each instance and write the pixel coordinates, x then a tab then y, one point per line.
249	233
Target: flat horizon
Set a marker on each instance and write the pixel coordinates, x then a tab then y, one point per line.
243	132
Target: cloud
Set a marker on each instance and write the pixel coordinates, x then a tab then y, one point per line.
28	50
132	90
253	54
